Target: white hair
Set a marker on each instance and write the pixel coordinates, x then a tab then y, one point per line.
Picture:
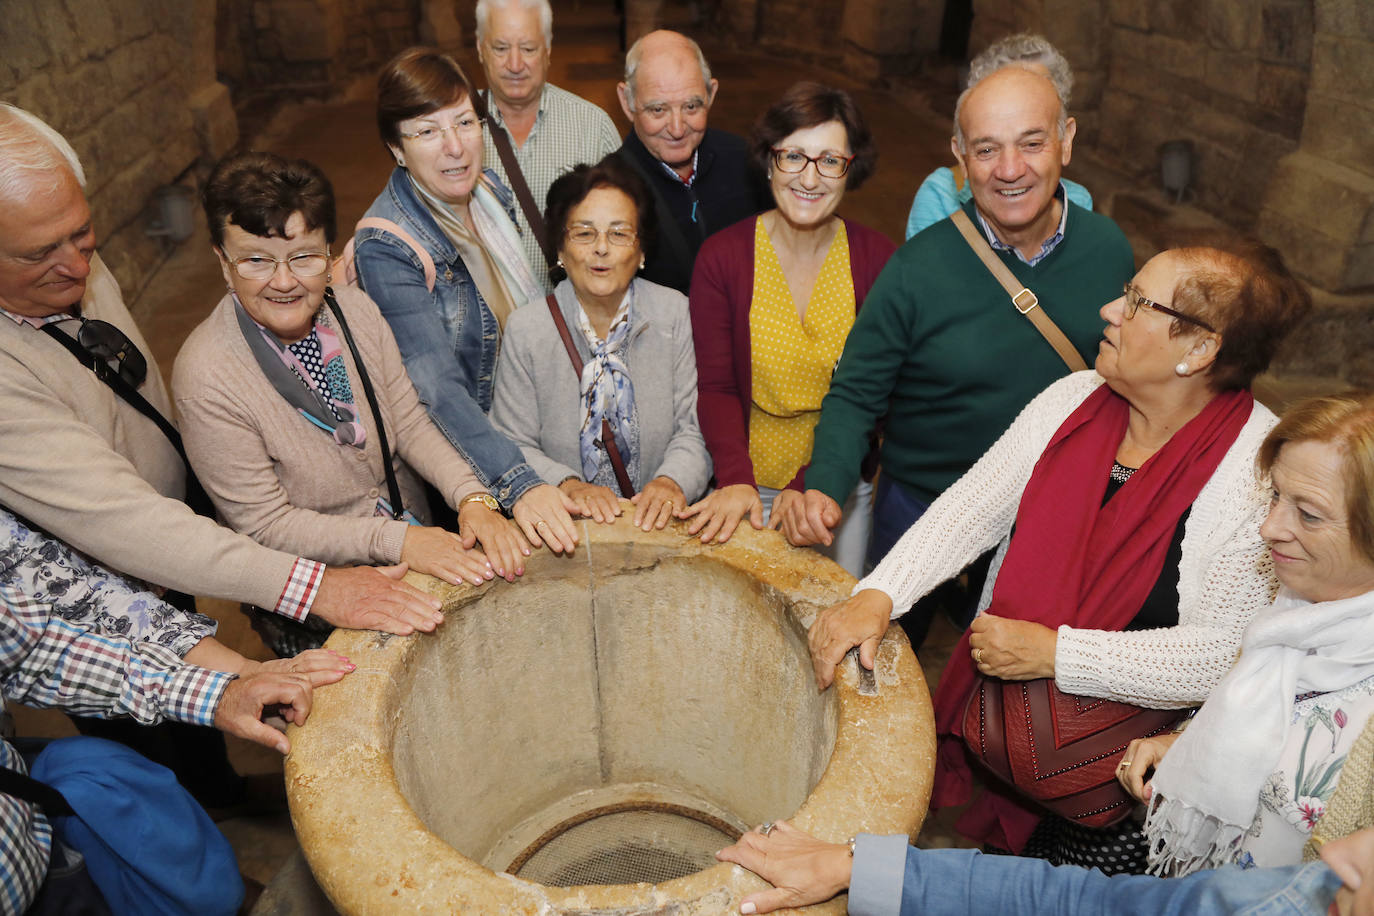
484	8
632	65
32	152
1027	51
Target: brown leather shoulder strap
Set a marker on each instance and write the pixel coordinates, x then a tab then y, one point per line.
506	152
1022	298
622	476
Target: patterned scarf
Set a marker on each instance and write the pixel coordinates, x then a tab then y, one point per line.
331	390
607	392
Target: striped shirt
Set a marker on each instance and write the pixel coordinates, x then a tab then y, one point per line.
567	131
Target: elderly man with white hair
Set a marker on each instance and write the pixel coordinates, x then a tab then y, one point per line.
549	129
702	179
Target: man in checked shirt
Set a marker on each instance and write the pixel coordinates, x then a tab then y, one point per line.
76	636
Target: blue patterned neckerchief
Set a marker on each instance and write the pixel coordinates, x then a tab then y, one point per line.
607	392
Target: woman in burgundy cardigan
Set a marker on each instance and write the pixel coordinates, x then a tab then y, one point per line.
764	361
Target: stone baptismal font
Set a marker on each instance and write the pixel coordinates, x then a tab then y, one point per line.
582	741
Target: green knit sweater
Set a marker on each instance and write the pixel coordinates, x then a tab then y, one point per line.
940	349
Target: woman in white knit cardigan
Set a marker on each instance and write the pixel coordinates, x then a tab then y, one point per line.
1135	560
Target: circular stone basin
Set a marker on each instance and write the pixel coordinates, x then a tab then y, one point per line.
582	740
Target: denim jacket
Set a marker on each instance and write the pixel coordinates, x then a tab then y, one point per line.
448	337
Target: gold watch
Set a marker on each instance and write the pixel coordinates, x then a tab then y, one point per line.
484	498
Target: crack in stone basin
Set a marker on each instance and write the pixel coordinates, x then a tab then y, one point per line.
646	672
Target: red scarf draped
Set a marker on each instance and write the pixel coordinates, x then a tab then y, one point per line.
1073	560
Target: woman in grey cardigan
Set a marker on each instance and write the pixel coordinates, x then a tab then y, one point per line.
638	379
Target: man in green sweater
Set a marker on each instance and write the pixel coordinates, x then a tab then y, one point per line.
938	346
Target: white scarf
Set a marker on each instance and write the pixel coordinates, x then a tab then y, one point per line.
1206	790
502	239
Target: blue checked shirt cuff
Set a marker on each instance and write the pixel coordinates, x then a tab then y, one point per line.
193	694
301	587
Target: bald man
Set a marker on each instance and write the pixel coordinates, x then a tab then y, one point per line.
702	178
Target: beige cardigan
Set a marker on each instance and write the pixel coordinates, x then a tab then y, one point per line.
92	471
285	482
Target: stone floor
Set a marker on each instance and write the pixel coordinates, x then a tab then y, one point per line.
340	135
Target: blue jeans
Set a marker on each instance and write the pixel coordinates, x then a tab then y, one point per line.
893	879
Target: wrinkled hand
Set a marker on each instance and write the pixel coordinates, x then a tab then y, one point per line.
501	540
657	502
721	512
1352	858
320	666
859	621
805	518
1144	755
802	869
441	554
544	514
241	705
374	598
1014	650
599	504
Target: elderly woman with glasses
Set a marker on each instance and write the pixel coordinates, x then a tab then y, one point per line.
296	409
598	383
1133	510
773	298
440	254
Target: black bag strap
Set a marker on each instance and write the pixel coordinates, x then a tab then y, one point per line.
26	788
393	488
501	140
196	496
622	477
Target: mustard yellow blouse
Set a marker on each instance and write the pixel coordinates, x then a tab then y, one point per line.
793	357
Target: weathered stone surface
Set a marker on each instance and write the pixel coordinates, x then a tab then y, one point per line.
1286	32
1323	196
1134	14
1352	18
1318	258
1186	19
1233	26
1340	132
216	125
1282	96
1343	68
1234	73
646	666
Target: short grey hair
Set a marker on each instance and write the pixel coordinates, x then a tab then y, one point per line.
632	65
31	151
484	8
1025	50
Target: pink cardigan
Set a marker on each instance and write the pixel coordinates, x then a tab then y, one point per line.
721	293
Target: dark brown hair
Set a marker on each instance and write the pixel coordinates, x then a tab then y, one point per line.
807	104
1347	420
258	192
1241	287
416	82
572	188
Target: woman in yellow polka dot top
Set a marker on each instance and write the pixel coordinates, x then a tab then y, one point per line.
772	300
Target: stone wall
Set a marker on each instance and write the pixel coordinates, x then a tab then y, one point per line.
132	86
313	47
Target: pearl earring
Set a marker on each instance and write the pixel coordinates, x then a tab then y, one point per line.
641	263
559	262
1181	369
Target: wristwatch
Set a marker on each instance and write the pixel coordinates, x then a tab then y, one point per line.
484	498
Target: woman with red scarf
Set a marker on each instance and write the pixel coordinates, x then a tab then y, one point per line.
1133	508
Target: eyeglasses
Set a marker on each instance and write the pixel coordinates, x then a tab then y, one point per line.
828	165
1134	301
305	265
107	342
466	126
587	235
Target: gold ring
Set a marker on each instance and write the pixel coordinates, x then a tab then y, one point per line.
977	656
1124	764
540	522
671	504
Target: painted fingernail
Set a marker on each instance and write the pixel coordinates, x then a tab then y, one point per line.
748	909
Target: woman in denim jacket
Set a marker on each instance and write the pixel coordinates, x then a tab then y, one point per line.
439	253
